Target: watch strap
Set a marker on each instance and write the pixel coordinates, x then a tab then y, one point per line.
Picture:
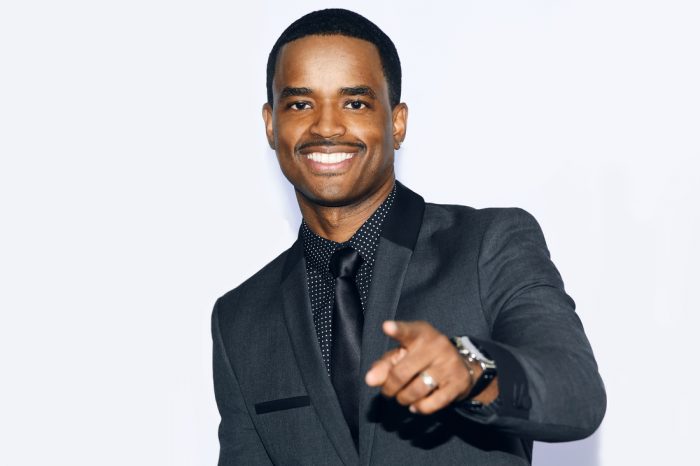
470	352
487	375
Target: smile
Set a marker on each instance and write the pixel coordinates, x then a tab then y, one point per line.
332	158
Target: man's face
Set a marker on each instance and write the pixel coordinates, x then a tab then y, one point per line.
332	125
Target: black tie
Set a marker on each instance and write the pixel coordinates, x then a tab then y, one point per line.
347	336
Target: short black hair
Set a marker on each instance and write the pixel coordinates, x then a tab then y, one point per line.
336	21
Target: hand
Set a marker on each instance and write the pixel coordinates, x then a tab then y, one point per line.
423	350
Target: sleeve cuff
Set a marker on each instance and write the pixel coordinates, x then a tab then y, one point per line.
513	398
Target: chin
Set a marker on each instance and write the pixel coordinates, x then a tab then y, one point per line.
329	195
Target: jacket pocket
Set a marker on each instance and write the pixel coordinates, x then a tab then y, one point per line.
282	404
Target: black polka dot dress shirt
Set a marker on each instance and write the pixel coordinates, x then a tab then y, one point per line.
318	252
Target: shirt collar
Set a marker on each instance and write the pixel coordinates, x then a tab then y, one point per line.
318	250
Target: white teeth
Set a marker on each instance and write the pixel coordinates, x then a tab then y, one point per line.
322	157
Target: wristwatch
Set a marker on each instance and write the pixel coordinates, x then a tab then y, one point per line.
471	353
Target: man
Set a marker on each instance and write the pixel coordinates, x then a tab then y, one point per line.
392	331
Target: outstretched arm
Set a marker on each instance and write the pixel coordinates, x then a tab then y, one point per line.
548	387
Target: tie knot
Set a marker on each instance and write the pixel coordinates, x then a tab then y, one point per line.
345	263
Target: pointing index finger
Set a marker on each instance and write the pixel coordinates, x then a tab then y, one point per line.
380	369
403	332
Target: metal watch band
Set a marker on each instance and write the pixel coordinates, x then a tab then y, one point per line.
470	352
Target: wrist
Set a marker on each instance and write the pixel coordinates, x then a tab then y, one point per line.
483	376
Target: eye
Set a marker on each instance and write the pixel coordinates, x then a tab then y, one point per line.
356	105
299	105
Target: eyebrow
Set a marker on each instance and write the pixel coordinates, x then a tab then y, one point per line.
294	91
349	91
358	90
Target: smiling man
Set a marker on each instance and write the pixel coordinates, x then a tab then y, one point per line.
393	331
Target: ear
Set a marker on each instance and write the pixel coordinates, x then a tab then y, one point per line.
267	118
400	120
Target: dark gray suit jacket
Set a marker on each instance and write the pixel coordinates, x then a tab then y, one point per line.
483	273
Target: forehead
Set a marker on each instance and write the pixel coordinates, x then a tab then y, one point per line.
314	61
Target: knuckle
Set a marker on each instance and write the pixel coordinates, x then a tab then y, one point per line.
445	342
456	364
439	340
441	343
392	384
428	406
388	389
401	372
425	326
459	375
416	392
421	328
444	397
404	398
437	401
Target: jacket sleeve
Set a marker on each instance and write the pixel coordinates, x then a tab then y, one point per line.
549	386
238	439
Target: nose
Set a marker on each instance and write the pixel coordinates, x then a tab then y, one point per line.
328	122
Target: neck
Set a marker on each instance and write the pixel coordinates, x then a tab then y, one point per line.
340	223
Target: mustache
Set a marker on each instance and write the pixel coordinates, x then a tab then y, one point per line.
328	143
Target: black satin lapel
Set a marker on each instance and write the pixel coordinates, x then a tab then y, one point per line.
297	314
405	218
399	236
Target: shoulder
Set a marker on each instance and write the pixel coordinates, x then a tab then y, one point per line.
259	284
482	222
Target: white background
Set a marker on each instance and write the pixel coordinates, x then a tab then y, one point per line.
136	187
